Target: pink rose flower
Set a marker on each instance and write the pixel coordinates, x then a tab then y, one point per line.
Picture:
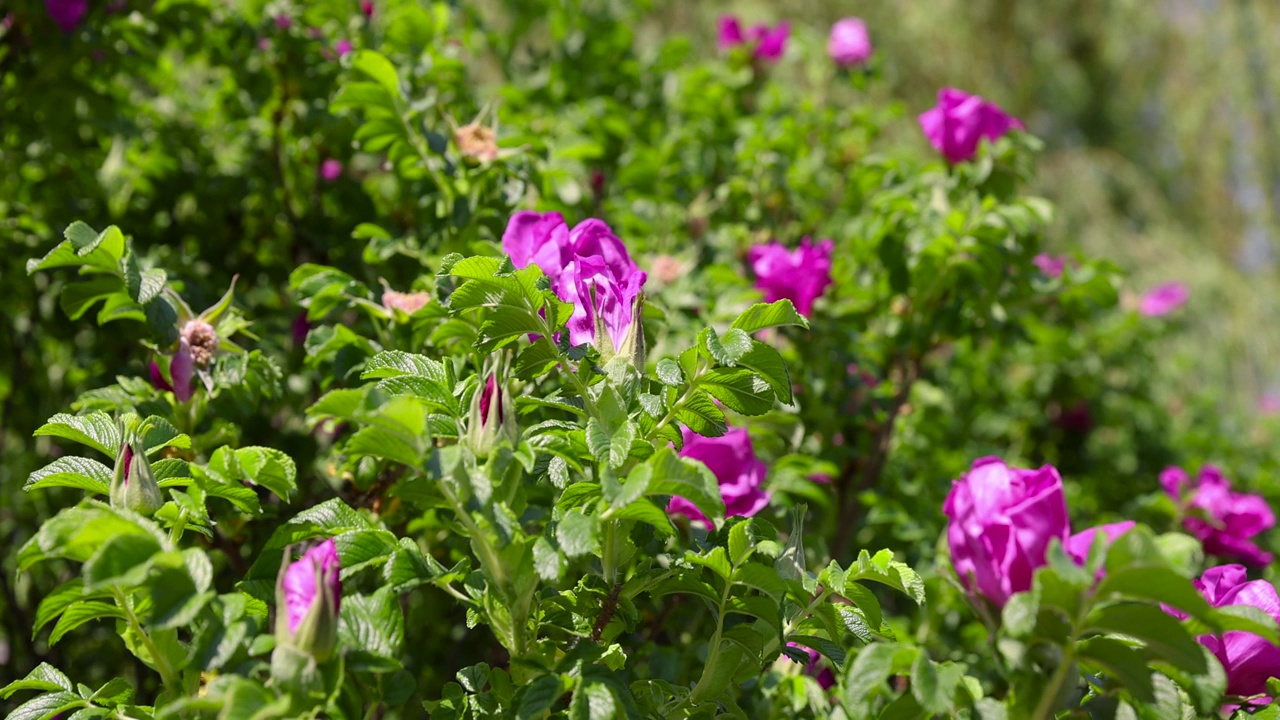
738	471
1001	521
849	43
959	121
1164	299
1224	521
799	275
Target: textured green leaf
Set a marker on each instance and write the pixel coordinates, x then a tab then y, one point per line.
767	315
739	389
1163	635
373	623
45	677
1127	665
269	468
768	364
97	430
669	372
578	534
73	472
689	479
728	348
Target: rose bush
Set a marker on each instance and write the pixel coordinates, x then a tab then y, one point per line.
642	402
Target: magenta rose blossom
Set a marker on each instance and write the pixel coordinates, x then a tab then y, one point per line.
1248	659
1224	521
308	597
1001	521
67	13
799	275
1077	546
1164	299
1050	265
331	169
739	472
769	43
960	121
849	43
342	47
588	259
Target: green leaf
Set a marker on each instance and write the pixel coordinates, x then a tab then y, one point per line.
78	298
669	372
610	448
866	677
726	349
378	68
73	472
762	578
739	389
775	314
702	416
373	623
882	568
1127	665
45	677
120	562
47	706
80	613
538	697
1163	635
97	430
578	534
269	468
396	363
689	479
767	363
1155	584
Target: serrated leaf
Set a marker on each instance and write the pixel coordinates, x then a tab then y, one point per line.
97	430
691	480
669	373
73	472
767	315
740	390
44	677
578	534
728	348
78	614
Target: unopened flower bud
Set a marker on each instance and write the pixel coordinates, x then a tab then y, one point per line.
202	339
133	484
631	346
492	419
308	594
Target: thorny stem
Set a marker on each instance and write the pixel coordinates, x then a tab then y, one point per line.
606	614
713	656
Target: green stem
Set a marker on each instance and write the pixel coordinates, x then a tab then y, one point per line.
791	624
168	676
1044	709
488	557
679	403
713	656
175	533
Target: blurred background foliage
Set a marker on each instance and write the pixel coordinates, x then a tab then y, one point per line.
201	128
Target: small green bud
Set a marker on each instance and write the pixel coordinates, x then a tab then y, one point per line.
133	484
492	420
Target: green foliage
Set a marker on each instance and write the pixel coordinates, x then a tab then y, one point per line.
356	315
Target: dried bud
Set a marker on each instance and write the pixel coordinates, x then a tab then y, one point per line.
203	341
667	269
477	141
308	595
492	419
408	303
133	485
